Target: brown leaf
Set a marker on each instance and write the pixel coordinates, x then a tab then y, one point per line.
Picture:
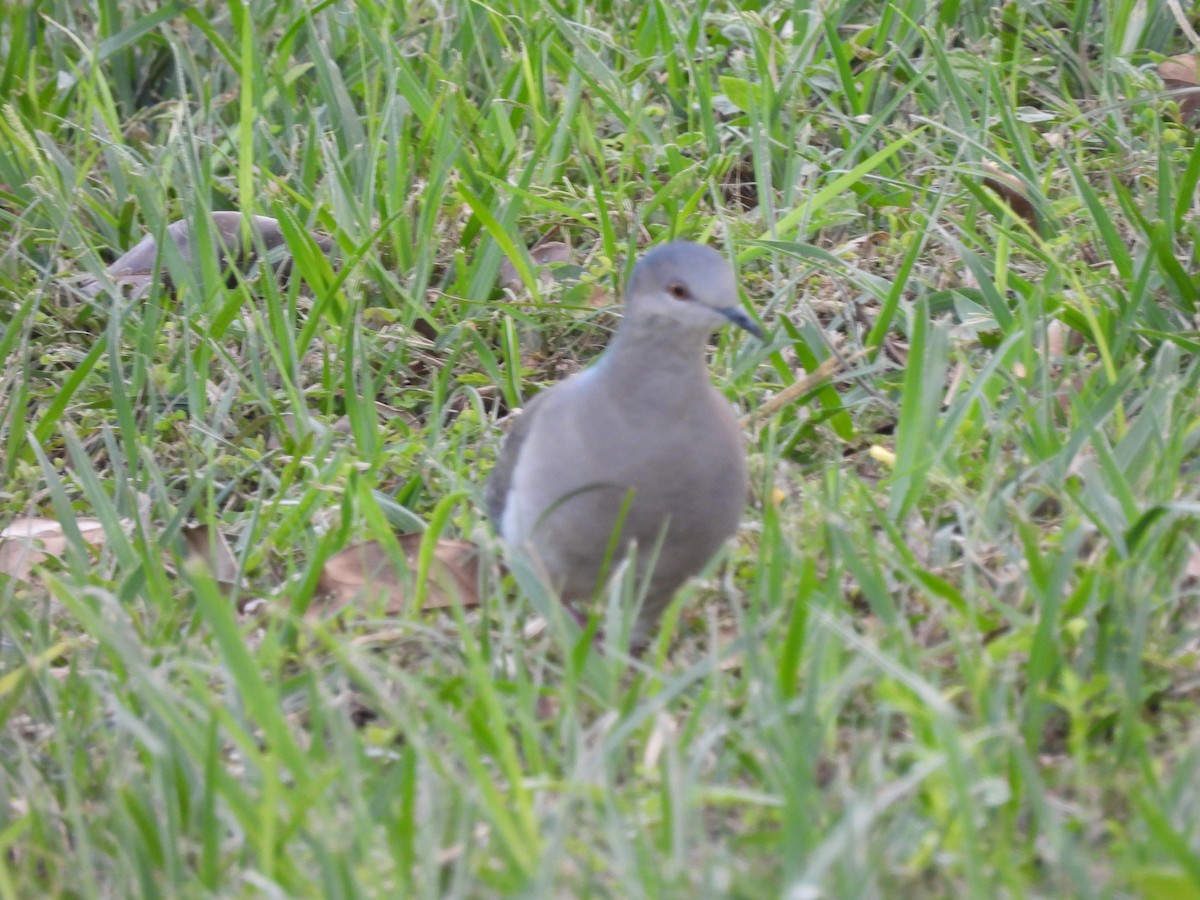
29	541
134	270
542	255
365	572
1012	191
207	545
1182	73
865	246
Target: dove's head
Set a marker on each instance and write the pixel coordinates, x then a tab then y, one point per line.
687	284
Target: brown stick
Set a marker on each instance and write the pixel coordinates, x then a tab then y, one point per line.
821	373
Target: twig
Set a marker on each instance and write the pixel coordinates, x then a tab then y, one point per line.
823	372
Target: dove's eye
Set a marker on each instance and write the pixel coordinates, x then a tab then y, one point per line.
679	291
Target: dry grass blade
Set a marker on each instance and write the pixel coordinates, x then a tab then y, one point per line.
826	370
1192	569
1184	23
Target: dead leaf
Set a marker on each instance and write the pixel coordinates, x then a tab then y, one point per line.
1012	191
29	541
598	298
1182	74
209	546
133	271
864	246
542	255
365	572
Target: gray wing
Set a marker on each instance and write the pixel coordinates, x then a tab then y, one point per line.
500	480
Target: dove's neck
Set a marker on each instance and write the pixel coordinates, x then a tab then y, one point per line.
661	359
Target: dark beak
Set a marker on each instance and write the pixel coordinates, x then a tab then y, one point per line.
741	319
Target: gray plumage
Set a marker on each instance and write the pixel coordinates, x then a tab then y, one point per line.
642	430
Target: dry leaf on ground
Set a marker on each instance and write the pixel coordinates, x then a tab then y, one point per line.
541	255
1182	74
134	270
365	573
209	546
1012	191
29	541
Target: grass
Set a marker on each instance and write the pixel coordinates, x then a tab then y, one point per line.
953	651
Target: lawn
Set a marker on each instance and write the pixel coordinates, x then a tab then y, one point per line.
954	650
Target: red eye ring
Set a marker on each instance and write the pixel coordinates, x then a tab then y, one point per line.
679	291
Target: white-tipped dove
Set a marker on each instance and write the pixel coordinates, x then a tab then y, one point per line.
641	440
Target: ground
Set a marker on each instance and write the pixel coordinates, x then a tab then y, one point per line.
953	649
